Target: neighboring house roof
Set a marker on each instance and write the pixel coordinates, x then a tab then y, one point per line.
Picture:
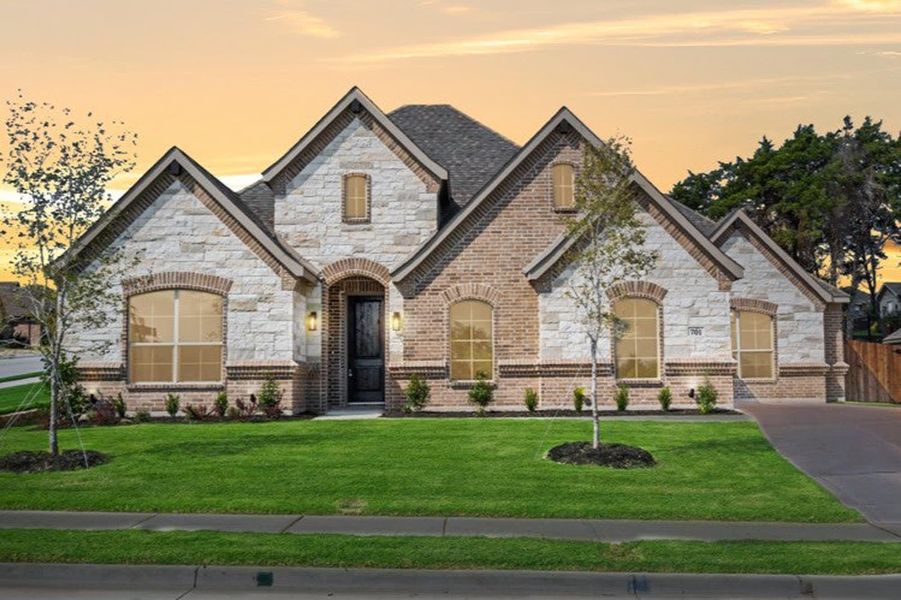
889	286
893	338
823	290
220	193
564	115
470	151
355	95
14	302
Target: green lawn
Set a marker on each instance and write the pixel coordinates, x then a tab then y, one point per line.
423	467
19	376
194	548
37	395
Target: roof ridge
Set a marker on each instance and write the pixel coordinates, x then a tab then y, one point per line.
465	114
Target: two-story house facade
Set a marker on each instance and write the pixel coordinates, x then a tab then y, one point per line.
422	242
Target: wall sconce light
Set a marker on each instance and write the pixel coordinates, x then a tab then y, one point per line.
395	321
691	393
312	321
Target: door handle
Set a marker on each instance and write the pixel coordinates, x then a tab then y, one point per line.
350	373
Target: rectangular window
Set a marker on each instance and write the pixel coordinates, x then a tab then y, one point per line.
355	198
563	176
637	349
752	344
175	336
472	349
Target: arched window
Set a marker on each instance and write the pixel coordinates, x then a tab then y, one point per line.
752	344
356	198
563	176
175	336
637	350
472	340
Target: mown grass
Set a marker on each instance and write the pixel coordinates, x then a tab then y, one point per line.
477	467
195	548
34	395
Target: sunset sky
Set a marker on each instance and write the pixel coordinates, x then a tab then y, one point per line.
236	82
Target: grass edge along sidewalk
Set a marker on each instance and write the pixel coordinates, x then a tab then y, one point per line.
658	556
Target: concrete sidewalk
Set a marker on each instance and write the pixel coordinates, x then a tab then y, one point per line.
597	530
175	582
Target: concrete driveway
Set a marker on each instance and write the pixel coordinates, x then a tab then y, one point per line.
853	451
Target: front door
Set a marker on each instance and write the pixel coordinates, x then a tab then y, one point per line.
365	350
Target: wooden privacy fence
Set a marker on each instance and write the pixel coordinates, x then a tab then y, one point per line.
875	372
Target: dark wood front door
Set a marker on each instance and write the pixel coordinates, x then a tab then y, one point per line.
365	350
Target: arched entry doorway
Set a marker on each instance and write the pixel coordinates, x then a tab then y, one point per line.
356	341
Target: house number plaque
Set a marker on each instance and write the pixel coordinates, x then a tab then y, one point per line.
695	331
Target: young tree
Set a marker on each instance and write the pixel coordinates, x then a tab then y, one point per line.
61	171
609	246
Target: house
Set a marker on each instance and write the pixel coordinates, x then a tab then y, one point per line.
383	245
893	339
17	326
889	299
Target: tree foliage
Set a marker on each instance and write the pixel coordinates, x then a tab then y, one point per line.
61	170
609	245
831	200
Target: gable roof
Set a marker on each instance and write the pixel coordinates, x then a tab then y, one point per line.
893	338
564	115
820	288
470	151
220	193
355	95
890	286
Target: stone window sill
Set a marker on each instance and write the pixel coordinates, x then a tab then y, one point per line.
462	384
649	383
175	387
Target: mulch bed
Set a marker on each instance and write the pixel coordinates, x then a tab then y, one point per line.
618	456
396	414
37	462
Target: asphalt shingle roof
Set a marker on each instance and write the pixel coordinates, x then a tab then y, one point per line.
471	152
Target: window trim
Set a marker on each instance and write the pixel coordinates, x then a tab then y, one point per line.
174	382
735	312
659	314
492	376
367	180
557	207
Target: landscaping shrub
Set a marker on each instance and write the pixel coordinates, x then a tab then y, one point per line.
481	393
173	401
246	409
233	412
622	398
120	406
142	416
270	401
103	411
665	398
579	399
221	405
417	394
531	399
706	396
197	413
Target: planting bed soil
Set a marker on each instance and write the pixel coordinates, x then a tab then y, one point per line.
37	462
558	413
618	456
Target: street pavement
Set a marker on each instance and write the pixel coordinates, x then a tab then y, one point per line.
853	451
210	582
18	365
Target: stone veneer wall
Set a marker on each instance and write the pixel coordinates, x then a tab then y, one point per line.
180	232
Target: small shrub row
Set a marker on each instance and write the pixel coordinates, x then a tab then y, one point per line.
705	396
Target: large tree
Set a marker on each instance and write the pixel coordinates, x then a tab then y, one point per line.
830	200
61	170
609	247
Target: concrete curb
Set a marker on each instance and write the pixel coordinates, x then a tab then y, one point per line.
596	530
472	584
